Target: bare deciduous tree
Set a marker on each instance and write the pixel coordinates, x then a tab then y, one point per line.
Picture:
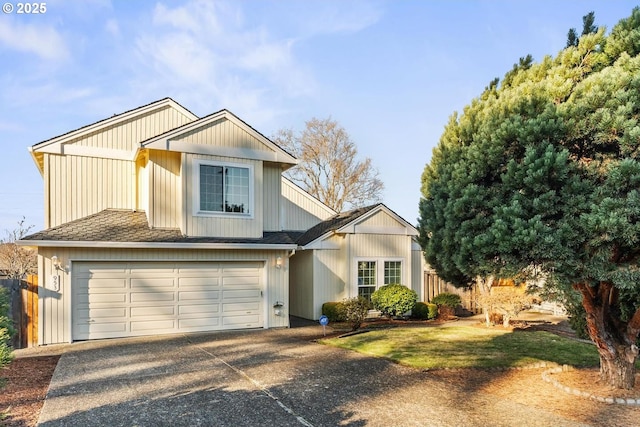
17	261
329	169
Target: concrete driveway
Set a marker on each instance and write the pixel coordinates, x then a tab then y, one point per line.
260	378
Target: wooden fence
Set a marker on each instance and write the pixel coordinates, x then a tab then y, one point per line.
433	285
23	298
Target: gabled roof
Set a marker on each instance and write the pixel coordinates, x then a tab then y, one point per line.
118	227
332	224
52	143
167	141
345	223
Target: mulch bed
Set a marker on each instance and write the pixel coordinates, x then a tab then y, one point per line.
26	381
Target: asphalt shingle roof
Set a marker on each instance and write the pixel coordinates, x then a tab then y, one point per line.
116	225
333	223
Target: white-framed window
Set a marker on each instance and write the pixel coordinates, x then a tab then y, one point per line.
222	188
369	271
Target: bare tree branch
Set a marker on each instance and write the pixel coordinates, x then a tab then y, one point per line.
329	168
17	261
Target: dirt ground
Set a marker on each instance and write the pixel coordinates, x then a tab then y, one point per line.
27	379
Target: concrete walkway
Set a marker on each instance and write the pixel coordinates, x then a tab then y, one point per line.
260	378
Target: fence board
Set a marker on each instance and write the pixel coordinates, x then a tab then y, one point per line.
434	285
23	300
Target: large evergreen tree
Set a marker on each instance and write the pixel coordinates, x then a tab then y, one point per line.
542	175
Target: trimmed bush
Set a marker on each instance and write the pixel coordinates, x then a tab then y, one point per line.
424	311
447	299
6	330
394	299
335	311
356	310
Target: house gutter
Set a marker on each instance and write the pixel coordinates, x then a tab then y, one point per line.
154	245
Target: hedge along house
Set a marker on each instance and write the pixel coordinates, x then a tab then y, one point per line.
157	221
353	254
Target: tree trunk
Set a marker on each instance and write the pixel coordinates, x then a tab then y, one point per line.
614	338
484	284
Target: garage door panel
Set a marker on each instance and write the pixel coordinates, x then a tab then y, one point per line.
198	295
247	321
186	310
169	310
153	325
243	307
199	282
105	298
240	281
119	299
152	283
240	294
151	296
200	324
105	284
104	313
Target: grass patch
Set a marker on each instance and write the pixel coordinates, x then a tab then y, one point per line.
468	347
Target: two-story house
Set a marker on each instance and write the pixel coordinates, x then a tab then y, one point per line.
157	221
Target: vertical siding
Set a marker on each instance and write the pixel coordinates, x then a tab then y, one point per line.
381	219
271	197
417	271
80	186
142	184
55	308
223	133
330	276
165	180
300	211
126	135
221	226
301	285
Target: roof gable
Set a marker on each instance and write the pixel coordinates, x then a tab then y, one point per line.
221	134
374	219
127	130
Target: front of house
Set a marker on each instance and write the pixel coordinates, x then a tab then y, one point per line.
157	221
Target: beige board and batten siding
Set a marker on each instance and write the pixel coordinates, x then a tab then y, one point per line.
77	186
300	210
126	135
271	196
418	265
223	225
222	133
56	310
164	177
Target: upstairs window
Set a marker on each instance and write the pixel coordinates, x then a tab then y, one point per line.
223	188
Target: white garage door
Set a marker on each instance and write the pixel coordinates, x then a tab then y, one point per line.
130	299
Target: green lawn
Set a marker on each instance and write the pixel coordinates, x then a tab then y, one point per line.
468	347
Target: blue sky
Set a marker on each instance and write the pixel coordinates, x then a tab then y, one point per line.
390	72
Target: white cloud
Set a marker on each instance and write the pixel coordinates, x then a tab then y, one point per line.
112	27
207	51
42	40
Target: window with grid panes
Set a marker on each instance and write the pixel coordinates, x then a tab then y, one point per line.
224	188
392	272
366	279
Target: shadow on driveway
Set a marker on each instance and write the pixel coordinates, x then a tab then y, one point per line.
278	377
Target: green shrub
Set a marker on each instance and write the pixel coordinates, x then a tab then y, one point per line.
424	311
447	299
335	311
394	299
356	310
6	329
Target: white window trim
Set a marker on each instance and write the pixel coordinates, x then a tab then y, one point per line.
196	189
379	271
